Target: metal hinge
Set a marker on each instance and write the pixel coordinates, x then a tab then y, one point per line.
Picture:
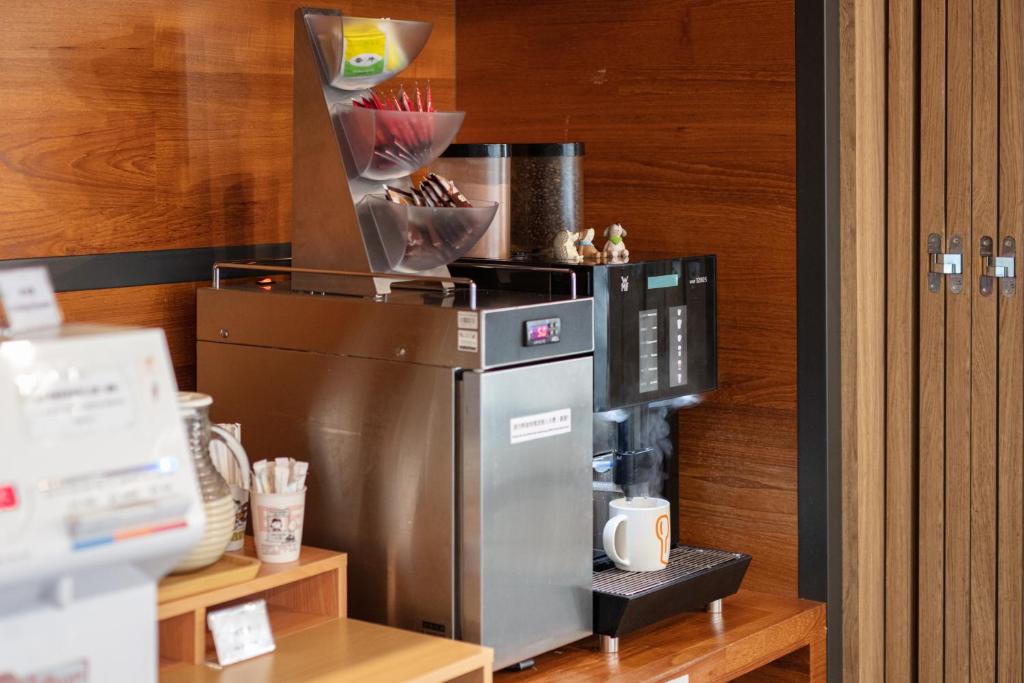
998	267
949	263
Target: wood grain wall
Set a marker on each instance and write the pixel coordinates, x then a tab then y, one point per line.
130	125
688	113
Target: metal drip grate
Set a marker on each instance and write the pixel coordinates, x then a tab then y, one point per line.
683	562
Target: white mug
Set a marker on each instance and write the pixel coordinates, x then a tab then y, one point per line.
637	536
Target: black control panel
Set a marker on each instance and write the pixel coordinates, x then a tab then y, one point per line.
655	330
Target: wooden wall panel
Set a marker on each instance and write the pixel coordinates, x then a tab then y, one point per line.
130	125
140	124
983	494
862	45
932	348
901	345
958	343
688	114
171	307
1010	524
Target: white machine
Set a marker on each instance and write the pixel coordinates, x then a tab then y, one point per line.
98	500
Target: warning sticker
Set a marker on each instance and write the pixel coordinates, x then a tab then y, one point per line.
469	340
540	426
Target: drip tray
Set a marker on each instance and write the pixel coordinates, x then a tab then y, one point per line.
626	601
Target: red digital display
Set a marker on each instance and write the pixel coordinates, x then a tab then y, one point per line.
543	331
8	498
539	332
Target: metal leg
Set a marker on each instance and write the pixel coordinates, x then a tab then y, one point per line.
714	607
609	644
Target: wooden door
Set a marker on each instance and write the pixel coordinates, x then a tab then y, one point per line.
952	495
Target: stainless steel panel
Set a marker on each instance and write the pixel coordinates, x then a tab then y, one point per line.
380	442
410	326
526	518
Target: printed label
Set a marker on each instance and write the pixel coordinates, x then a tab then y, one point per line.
281	528
27	300
469	340
468	320
541	425
74	401
72	672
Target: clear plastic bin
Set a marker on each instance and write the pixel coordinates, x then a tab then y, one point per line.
482	170
392	144
361	52
417	238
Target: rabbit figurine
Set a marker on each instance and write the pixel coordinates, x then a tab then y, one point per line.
615	248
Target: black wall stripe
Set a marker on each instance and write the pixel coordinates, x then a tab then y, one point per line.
136	268
819	491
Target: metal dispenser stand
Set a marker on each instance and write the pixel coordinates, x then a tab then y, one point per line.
338	224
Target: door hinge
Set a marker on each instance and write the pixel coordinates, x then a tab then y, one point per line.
949	263
1000	267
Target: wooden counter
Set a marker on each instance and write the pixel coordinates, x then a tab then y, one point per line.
350	650
753	630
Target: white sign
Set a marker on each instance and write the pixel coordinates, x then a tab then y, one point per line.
27	299
468	320
541	425
468	340
241	632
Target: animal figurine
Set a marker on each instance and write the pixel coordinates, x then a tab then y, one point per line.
615	248
565	247
586	246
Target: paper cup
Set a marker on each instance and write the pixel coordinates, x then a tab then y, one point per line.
277	525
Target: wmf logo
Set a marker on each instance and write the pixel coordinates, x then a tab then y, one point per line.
623	283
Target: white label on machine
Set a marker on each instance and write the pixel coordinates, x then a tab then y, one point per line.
75	401
468	340
241	632
541	425
27	300
468	320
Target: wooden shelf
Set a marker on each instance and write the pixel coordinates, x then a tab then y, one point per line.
300	595
306	606
754	630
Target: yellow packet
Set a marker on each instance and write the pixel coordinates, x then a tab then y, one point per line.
365	52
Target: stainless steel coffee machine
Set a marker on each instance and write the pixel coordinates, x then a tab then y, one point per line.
654	353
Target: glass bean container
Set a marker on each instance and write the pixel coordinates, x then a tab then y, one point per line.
482	172
546	193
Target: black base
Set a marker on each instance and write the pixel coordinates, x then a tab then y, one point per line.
617	614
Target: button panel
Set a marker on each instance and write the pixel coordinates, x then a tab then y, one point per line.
677	346
648	361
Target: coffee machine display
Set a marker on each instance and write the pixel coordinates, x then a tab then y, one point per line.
655	342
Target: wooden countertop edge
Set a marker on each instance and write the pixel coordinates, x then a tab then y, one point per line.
779	627
283	575
805	623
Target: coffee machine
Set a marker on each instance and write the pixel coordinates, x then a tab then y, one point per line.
655	339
